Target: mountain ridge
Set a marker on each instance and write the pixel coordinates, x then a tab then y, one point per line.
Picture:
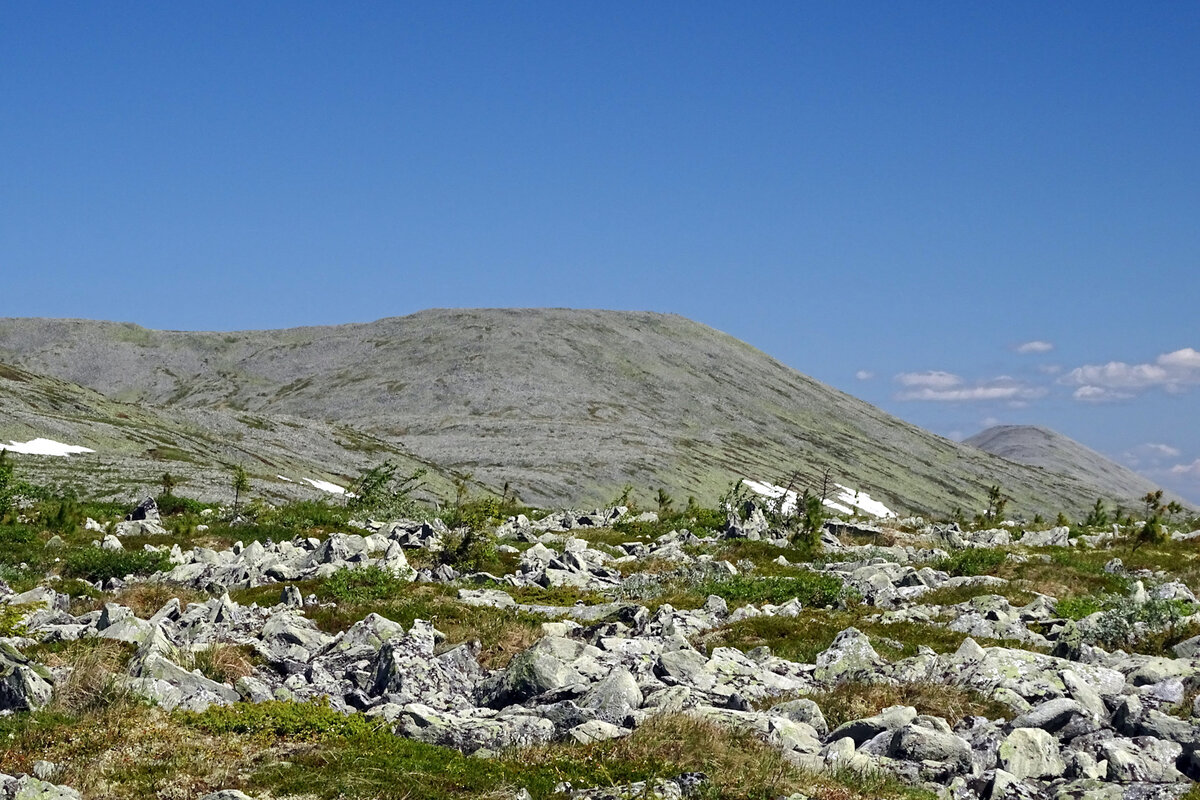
565	405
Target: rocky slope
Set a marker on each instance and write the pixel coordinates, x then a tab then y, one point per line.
565	406
1053	452
135	443
1026	702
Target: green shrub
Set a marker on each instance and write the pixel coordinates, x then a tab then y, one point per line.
810	588
305	721
363	585
469	551
1080	605
170	505
971	562
97	564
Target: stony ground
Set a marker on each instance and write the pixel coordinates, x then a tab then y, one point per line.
501	652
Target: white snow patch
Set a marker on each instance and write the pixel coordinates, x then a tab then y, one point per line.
44	447
326	486
844	502
285	478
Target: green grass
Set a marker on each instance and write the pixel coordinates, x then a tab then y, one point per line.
971	562
804	637
96	564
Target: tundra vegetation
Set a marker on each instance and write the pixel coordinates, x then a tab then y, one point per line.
379	647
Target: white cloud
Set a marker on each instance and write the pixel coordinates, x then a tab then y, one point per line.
1161	450
1049	369
1187	359
1015	393
1191	470
1171	371
1098	394
1035	346
864	375
933	379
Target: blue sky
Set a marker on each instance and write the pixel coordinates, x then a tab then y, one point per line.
892	198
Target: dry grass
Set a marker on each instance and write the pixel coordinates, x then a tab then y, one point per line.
739	765
90	666
128	750
854	700
145	599
223	663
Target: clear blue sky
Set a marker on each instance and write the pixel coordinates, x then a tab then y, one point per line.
900	189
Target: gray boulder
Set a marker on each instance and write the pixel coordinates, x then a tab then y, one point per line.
1031	753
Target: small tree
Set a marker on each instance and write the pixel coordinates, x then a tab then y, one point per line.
996	503
1098	516
169	482
810	511
241	484
665	501
1151	532
6	483
1061	521
1153	503
379	491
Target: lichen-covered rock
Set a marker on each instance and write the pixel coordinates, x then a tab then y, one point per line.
1031	753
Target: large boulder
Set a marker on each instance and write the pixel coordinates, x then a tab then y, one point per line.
1031	753
553	663
24	686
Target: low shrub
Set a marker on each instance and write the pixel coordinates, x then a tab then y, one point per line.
363	585
971	562
303	721
97	564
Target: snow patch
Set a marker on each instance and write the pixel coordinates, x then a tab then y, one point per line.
285	478
845	501
44	447
326	486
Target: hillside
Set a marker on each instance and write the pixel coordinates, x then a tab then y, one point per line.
135	444
565	406
1054	452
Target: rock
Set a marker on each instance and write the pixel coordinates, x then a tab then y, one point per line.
1031	753
614	696
407	671
861	730
850	655
596	731
803	710
1142	759
1050	716
227	794
1054	537
146	510
917	742
24	686
30	788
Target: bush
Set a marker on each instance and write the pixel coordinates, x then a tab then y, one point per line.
810	588
305	721
170	505
379	492
469	551
363	585
971	562
97	564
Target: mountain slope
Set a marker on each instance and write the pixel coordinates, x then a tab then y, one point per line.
564	405
135	444
1052	451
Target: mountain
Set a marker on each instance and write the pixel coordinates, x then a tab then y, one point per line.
136	443
1053	452
564	406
